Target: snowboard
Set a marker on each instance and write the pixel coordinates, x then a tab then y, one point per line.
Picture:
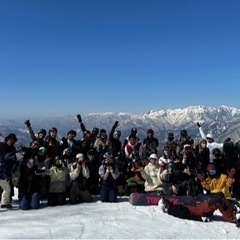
228	149
148	199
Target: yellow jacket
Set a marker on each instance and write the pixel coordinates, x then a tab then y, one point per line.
221	184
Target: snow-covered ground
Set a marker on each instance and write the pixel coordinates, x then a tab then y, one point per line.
99	220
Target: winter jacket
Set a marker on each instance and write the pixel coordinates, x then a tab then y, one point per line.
156	178
150	146
8	161
80	177
110	181
131	148
211	145
102	145
28	181
116	143
58	178
73	145
202	159
221	184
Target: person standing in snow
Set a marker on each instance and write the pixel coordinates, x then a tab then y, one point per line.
171	142
41	134
52	146
8	165
211	144
133	145
150	144
134	132
114	137
183	140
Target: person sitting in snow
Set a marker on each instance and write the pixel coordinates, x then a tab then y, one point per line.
40	136
135	181
183	173
216	181
155	176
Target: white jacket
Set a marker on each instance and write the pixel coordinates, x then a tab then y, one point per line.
211	145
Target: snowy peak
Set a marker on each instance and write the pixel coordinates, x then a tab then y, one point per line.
222	121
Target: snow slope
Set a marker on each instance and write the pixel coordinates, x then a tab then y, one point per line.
99	220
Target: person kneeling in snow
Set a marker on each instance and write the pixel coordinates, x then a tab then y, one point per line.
79	175
28	185
200	211
109	173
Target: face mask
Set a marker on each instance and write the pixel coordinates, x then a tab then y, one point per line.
170	138
217	155
58	165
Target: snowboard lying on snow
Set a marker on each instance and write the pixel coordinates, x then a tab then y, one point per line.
146	199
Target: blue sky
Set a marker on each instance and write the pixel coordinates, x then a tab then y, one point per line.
68	57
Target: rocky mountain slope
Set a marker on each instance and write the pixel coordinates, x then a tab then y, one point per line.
223	122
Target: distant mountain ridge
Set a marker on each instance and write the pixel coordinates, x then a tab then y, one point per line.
223	122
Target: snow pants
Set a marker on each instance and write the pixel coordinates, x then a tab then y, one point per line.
6	193
79	195
108	194
29	201
212	203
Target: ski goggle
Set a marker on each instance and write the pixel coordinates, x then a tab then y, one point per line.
212	172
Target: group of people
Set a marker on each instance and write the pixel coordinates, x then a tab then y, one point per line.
101	164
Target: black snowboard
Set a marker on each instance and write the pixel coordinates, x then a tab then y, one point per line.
228	149
147	199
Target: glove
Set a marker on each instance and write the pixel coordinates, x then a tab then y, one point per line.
111	169
231	173
27	122
79	118
9	156
200	177
198	124
39	171
115	124
227	140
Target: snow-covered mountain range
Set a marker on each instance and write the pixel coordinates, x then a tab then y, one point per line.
223	122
